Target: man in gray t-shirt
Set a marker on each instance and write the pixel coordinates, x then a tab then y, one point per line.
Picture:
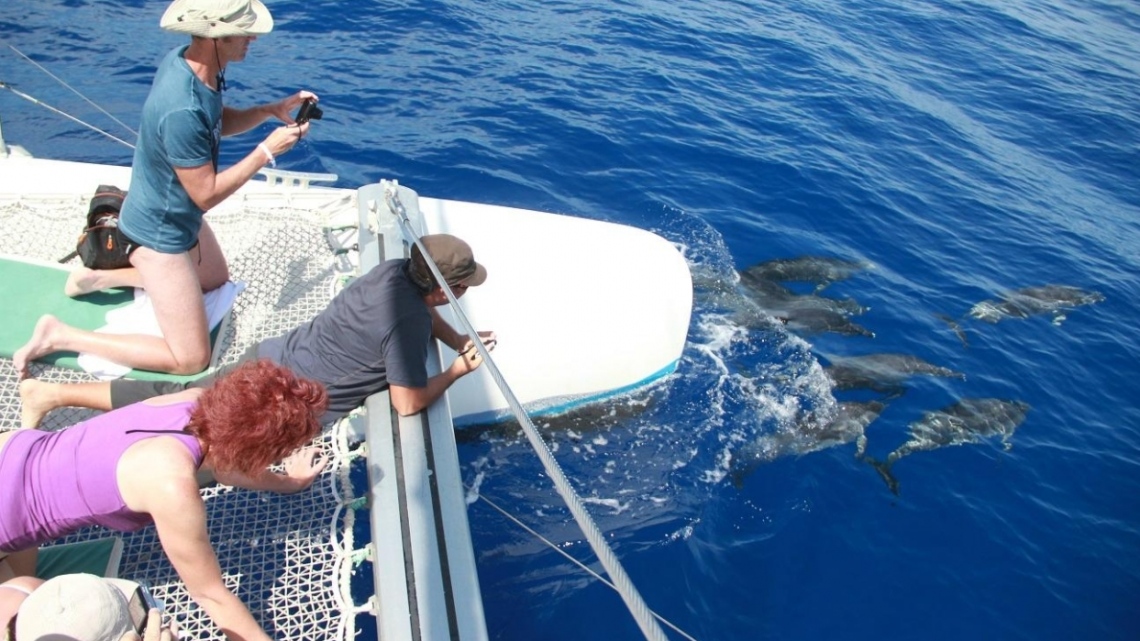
374	334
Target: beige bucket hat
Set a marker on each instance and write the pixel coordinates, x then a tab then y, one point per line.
80	607
217	18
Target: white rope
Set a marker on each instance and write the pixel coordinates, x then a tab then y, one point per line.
641	612
341	532
576	562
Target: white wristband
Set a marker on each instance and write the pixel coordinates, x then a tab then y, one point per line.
268	154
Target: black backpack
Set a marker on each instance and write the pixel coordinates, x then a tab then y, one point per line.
102	245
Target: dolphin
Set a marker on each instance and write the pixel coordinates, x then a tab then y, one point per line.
808	313
814	321
1031	301
812	432
762	303
882	372
970	420
773	296
820	270
956	327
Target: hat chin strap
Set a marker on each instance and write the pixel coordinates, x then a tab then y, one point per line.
220	78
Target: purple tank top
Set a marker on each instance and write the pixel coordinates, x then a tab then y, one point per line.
55	483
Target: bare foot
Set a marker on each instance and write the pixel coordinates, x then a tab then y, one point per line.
82	281
38	345
35	402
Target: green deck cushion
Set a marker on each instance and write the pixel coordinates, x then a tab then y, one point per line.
100	557
31	288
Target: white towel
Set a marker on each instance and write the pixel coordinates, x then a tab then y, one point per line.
138	318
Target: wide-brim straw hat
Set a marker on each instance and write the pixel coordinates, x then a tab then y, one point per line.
217	18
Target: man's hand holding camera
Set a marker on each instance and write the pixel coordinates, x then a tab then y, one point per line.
285	137
283	109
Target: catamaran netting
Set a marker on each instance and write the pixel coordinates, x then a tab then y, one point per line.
289	558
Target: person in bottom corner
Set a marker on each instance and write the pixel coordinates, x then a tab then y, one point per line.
142	464
81	607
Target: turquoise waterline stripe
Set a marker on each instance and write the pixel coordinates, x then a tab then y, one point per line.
558	405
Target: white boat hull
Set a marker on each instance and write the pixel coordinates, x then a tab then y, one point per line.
583	309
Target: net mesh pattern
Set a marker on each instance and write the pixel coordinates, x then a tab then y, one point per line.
285	556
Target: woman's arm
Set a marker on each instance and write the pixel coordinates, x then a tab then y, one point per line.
301	469
180	519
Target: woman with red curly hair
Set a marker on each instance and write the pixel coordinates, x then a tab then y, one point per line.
140	464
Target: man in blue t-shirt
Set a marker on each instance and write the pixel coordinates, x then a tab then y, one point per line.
374	334
175	180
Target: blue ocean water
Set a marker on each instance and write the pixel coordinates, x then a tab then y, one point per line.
963	148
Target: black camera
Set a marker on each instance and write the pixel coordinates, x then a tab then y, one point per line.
308	111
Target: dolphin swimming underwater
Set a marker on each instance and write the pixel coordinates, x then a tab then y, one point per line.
970	420
884	373
811	433
770	295
806	313
955	327
1023	303
815	321
1031	301
819	270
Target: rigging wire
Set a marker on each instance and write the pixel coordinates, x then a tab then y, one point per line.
576	562
4	85
74	90
594	536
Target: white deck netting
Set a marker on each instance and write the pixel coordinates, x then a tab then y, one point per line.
287	557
